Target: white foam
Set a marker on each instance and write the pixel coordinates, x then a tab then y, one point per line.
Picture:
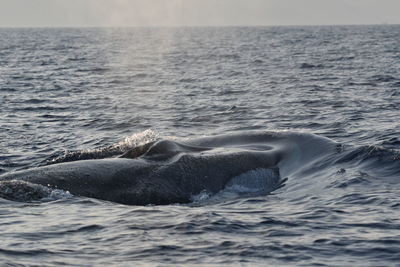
202	196
57	194
137	139
128	143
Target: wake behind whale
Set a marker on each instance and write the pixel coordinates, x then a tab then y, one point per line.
166	172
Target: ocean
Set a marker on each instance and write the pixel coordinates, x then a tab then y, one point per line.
76	94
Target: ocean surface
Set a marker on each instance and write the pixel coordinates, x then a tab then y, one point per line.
76	92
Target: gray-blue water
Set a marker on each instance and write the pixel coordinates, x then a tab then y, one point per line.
76	91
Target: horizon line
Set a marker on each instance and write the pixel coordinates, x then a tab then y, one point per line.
194	26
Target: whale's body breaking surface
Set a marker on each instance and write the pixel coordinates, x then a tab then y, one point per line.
165	172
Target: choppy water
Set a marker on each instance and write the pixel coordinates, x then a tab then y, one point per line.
66	90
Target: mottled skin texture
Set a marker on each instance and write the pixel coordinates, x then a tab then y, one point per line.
165	172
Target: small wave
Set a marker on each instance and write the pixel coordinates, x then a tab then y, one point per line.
25	252
383	78
396	85
34	101
392	143
379	160
76	58
5	89
371	152
139	75
310	66
40	108
93	70
188	80
343	58
258	61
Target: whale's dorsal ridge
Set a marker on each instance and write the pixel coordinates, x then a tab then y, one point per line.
137	151
168	148
161	149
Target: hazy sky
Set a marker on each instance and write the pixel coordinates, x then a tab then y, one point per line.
21	13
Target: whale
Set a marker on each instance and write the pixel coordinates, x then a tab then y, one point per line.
173	171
